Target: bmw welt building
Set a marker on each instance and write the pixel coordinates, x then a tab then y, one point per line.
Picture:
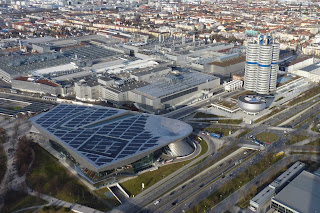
103	139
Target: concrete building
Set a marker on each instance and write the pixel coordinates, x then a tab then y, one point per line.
261	65
87	90
148	74
300	63
233	85
171	90
42	86
118	93
311	72
226	68
302	195
261	202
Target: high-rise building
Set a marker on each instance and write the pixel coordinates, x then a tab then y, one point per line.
261	64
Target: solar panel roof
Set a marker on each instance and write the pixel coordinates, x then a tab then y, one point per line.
104	136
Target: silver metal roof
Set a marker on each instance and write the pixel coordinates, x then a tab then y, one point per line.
172	84
302	194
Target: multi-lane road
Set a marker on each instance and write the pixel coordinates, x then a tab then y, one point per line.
203	184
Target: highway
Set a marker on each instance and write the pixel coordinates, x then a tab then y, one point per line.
290	112
152	193
198	184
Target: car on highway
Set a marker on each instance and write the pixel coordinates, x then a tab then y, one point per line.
174	202
172	193
156	202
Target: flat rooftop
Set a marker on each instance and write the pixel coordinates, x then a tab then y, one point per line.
229	62
127	87
302	194
172	84
15	65
148	71
311	67
103	138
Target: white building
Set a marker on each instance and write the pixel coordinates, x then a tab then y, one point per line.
233	85
87	90
261	65
173	89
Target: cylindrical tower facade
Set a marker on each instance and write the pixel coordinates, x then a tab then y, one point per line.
251	66
261	65
274	66
264	69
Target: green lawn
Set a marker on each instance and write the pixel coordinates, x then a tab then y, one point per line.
305	95
3	135
279	99
48	176
267	137
29	211
222	131
15	200
134	186
243	178
314	143
315	128
101	193
15	108
243	133
54	209
296	138
205	115
3	163
273	112
230	121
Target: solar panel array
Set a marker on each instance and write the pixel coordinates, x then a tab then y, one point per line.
96	135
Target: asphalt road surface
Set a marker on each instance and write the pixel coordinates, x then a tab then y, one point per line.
197	184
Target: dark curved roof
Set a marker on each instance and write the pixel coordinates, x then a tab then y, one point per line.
103	136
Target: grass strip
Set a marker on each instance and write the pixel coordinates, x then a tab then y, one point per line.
305	95
267	137
3	163
243	133
206	115
15	200
243	178
49	177
295	139
134	186
273	112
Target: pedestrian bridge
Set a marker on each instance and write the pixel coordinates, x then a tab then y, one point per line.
251	146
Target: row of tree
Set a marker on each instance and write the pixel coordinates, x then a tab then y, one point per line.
23	155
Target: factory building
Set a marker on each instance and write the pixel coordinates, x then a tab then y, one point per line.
118	93
311	72
87	90
301	195
226	67
42	86
148	74
172	89
261	201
